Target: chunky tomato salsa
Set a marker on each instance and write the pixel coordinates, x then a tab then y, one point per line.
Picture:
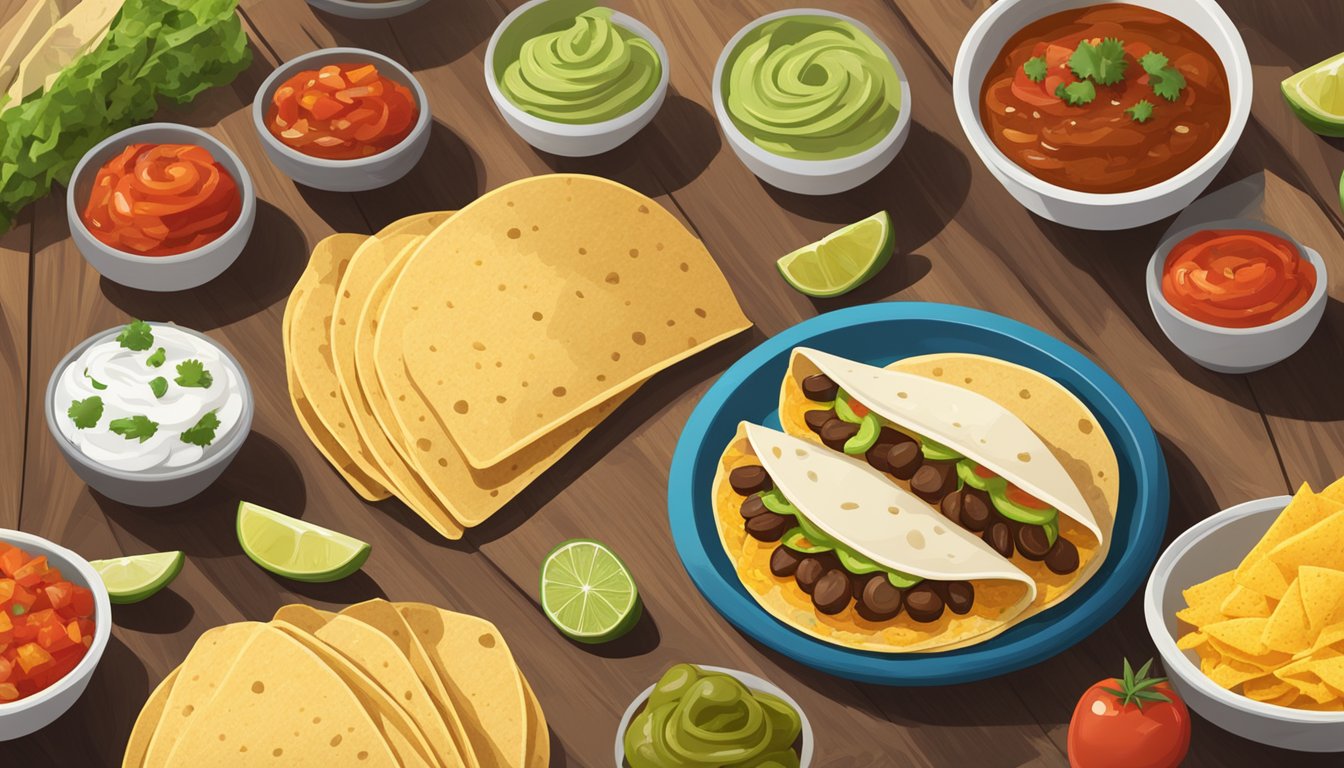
1108	98
46	624
1237	278
341	112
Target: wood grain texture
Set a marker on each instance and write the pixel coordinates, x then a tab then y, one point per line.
960	239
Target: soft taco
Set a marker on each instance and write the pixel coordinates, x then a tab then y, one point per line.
828	546
1002	451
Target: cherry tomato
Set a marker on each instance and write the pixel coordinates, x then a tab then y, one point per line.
1134	721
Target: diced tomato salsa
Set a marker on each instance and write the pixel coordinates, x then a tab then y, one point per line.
46	624
341	112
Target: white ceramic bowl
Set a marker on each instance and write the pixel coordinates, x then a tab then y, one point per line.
577	140
25	716
753	682
1088	210
1236	350
1213	546
353	9
159	273
344	175
812	177
156	488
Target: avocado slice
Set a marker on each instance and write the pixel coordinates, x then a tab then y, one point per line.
1021	514
866	437
860	565
794	539
843	410
775	502
966	473
935	451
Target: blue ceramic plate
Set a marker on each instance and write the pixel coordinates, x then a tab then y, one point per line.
879	334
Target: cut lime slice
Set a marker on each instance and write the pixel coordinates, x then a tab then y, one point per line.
842	261
1316	94
289	547
132	579
588	593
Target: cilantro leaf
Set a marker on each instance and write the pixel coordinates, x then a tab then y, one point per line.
96	384
1035	68
1077	94
1166	80
1153	62
86	413
203	433
137	336
1104	63
159	386
155	360
1141	112
192	373
134	427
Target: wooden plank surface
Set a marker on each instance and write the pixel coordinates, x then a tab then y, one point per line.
960	239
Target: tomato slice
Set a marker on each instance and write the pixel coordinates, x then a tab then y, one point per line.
858	408
1024	499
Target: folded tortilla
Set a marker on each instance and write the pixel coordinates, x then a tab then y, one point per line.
854	505
1015	421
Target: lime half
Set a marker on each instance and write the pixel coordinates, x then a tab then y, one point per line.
1316	94
588	593
289	547
132	579
842	261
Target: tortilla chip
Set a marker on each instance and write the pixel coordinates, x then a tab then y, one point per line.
1266	688
1230	673
1319	545
1191	640
1255	572
1241	634
1287	629
546	298
1322	595
1265	578
1245	603
1203	600
147	723
1331	636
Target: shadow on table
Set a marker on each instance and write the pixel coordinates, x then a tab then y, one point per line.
435	34
641	639
163	614
559	756
447	178
355	588
263	274
1305	387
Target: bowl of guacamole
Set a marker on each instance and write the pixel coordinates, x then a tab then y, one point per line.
575	78
811	101
699	715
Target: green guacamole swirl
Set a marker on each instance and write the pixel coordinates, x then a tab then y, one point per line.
586	69
697	719
811	88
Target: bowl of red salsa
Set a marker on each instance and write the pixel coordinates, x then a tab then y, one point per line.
55	621
1236	295
161	207
342	119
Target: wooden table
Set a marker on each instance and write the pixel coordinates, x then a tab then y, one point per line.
960	239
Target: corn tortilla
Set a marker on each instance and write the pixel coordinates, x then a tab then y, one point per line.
147	723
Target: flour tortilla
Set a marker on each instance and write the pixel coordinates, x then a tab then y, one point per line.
367	488
147	723
855	505
544	299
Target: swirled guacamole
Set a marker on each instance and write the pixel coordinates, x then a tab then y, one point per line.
582	68
696	718
811	87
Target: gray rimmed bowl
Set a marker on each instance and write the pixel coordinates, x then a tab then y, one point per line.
152	488
344	175
352	9
31	714
1212	546
160	273
751	681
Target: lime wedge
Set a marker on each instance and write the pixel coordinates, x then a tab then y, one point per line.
289	547
1316	94
132	579
588	593
842	261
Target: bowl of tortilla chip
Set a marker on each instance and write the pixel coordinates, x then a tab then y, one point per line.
1247	610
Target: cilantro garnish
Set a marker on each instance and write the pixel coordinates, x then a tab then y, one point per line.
134	427
155	360
86	413
1166	80
1104	64
96	384
1035	68
137	336
1141	112
204	432
192	373
1077	94
159	386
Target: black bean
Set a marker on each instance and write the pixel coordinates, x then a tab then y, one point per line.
934	480
837	432
770	527
833	592
960	596
904	459
1032	541
923	603
752	507
999	537
819	388
785	561
1063	557
809	573
750	479
879	600
976	510
950	506
817	419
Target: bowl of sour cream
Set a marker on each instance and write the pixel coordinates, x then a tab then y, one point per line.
149	414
